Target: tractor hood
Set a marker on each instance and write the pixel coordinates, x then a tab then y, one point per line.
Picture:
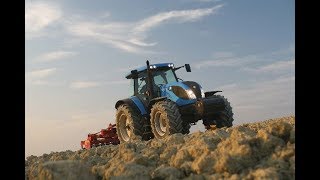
184	89
195	87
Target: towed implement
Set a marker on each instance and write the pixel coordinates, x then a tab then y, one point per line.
104	137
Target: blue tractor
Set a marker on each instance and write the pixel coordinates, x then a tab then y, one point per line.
162	104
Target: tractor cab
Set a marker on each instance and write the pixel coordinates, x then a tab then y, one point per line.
147	81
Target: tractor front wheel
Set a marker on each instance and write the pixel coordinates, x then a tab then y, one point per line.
165	119
223	118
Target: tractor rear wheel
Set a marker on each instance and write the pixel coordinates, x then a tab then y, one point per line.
223	118
129	123
165	119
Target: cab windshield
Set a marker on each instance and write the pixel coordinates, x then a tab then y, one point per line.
164	77
160	77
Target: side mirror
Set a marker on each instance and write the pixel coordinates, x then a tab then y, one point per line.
188	68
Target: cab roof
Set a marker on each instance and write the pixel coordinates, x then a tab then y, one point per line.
152	66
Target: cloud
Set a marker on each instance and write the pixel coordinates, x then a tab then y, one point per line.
287	51
260	99
278	66
40	74
84	84
91	84
140	43
56	55
37	77
118	82
131	36
40	82
114	34
39	15
179	16
227	61
126	36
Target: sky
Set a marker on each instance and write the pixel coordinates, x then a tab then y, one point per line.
78	52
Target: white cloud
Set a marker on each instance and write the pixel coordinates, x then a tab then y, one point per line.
114	34
43	73
40	82
260	99
39	15
126	36
56	55
38	77
140	43
130	36
290	50
229	61
118	82
91	84
277	66
179	16
84	84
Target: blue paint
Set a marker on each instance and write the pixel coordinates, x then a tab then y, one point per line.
139	104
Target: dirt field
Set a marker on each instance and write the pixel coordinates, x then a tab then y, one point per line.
264	150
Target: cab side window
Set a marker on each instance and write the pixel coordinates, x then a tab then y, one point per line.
142	86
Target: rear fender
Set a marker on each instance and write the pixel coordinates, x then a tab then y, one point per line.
133	102
155	100
210	93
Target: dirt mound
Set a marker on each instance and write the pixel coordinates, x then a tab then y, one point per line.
257	150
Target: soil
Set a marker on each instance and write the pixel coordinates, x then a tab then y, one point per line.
261	150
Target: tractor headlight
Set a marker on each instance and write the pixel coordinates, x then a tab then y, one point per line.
191	94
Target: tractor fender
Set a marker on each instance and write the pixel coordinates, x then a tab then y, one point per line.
133	102
155	100
210	93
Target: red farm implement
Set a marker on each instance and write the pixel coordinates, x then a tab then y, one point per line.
104	137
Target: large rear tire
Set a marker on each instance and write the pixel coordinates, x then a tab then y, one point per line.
129	124
223	118
165	119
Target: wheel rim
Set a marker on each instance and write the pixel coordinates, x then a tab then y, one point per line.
160	124
125	127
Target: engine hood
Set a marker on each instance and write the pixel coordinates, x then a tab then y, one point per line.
195	87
